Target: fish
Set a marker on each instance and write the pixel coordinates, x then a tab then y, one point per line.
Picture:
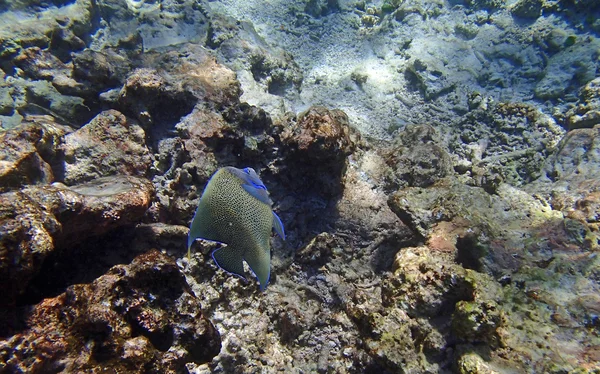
235	209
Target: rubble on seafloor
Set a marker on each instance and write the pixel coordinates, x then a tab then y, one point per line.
430	227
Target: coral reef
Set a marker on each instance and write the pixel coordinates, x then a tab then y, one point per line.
435	165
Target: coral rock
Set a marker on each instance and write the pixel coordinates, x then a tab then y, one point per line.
28	153
587	113
417	160
319	143
110	144
38	220
137	318
154	96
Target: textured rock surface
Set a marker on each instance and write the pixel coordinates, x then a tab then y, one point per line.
136	318
587	113
417	160
156	97
110	144
29	153
36	221
574	65
512	144
319	141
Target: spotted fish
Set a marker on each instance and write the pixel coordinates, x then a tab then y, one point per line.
235	209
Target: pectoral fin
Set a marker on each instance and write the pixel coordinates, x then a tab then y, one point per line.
230	260
260	262
278	226
258	192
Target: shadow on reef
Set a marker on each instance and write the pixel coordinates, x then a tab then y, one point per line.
93	258
80	264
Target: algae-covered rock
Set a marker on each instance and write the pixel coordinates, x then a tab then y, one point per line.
587	112
527	8
475	321
507	139
470	362
279	74
486	4
423	288
22	29
408	318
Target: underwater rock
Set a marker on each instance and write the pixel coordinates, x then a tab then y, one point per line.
279	74
319	250
171	238
527	8
570	178
422	287
110	144
43	97
40	219
572	67
474	218
199	73
431	77
26	239
7	103
266	72
576	158
159	25
160	96
319	142
417	160
363	210
505	139
476	321
146	94
470	362
60	29
486	4
29	152
249	117
321	8
37	63
397	319
102	70
136	318
587	112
